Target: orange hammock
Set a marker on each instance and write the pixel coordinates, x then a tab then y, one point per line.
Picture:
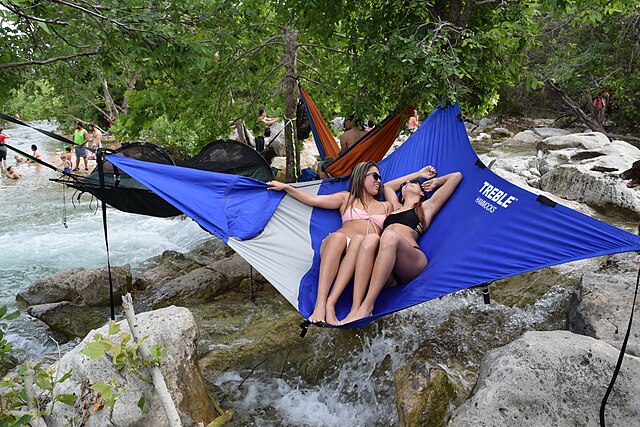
371	147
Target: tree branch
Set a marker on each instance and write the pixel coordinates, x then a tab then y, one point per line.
330	49
17	11
47	61
256	49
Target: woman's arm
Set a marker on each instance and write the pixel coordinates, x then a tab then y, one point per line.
332	201
391	188
426	172
448	185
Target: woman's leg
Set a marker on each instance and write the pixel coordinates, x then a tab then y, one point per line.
364	266
395	253
331	252
344	275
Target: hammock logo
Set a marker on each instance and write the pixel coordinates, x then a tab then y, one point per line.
495	195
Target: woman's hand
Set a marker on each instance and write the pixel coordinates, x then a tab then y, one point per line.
428	172
431	185
277	185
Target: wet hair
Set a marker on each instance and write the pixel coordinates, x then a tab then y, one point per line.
356	182
67	149
34	147
260	111
9	168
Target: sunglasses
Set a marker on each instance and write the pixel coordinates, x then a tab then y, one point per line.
413	181
376	176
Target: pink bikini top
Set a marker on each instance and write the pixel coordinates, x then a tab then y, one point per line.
351	214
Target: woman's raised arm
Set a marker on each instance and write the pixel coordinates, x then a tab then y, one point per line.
392	187
331	201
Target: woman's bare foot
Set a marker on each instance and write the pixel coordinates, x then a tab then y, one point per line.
360	314
330	315
348	318
318	314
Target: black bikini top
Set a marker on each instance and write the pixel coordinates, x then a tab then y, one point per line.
408	218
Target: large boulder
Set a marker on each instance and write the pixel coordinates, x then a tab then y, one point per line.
71	320
166	267
172	328
551	378
196	286
591	176
80	286
588	141
601	309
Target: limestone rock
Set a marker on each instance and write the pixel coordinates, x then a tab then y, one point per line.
601	308
501	133
196	286
70	319
236	269
588	141
90	287
174	329
551	378
166	267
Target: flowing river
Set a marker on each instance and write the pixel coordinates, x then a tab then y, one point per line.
36	244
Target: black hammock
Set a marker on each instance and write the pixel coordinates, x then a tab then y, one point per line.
128	195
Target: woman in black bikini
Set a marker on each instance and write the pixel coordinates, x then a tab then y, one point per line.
399	257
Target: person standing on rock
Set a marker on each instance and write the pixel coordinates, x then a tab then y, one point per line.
3	148
96	136
80	138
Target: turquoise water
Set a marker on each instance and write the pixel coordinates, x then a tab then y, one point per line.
34	243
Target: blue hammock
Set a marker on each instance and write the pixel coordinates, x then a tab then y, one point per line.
488	230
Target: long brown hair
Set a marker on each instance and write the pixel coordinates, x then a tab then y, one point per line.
356	182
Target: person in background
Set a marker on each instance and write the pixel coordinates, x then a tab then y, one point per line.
370	125
35	152
12	173
20	159
80	138
3	148
96	136
266	120
66	160
413	122
351	135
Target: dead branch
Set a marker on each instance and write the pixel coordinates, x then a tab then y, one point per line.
158	380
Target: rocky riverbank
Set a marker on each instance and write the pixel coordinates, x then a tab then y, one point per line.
541	353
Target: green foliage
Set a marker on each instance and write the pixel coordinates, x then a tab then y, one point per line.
124	354
35	100
182	138
590	47
14	395
6	347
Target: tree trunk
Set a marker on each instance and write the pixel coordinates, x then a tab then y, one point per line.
110	106
132	84
291	103
241	130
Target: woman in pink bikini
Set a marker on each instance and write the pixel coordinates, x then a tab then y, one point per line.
362	215
399	258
